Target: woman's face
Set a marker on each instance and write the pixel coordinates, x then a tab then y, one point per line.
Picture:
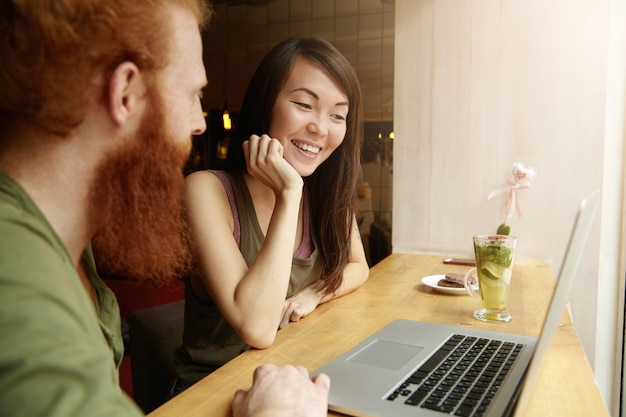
309	117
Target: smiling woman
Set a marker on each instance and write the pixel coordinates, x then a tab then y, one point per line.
310	113
362	30
290	187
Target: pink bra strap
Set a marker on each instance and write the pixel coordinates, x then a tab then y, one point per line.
306	247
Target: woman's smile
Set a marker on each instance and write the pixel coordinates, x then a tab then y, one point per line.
308	149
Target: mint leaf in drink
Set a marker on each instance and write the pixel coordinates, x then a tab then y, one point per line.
504	229
493	253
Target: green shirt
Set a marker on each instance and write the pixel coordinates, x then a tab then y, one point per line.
58	354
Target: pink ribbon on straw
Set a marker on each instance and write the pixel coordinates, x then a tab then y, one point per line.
522	177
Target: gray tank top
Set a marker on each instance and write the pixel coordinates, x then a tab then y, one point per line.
208	340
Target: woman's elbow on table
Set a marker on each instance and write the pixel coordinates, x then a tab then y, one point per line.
361	273
257	336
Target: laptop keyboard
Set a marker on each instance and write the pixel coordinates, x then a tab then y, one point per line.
461	378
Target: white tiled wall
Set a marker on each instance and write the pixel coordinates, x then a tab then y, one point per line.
241	34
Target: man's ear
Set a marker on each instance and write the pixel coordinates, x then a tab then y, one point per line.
127	88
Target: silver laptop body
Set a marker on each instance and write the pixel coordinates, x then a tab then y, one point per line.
371	378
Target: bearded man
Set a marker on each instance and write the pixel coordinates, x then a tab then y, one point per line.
98	102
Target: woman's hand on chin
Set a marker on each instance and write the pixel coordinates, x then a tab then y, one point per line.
264	158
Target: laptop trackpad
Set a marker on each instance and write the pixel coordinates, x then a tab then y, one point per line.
385	354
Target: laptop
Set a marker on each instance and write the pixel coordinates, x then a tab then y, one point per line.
411	368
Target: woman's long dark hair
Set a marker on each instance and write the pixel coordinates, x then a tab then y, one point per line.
333	187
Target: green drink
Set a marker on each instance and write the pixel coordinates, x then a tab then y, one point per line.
494	263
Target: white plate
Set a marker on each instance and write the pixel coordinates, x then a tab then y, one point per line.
432	280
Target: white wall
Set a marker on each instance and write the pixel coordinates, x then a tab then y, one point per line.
481	84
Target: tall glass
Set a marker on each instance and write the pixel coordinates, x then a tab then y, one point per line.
494	265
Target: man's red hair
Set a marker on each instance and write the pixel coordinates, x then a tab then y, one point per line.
55	54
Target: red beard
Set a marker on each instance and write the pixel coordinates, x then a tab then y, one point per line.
136	201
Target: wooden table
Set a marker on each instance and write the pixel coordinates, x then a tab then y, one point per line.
565	387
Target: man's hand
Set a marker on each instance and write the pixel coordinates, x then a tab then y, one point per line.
283	391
